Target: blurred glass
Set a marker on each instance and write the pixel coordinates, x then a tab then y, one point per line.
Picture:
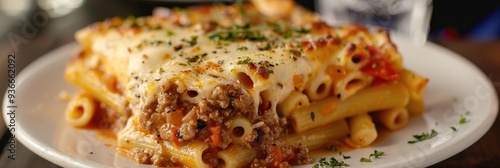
409	18
58	8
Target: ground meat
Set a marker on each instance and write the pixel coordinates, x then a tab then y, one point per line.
217	111
142	156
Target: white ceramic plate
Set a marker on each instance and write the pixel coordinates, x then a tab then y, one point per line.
456	87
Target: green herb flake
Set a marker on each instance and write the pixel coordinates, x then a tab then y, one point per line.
377	154
246	61
237	33
424	136
270	71
330	164
161	70
302	30
157	27
346	157
453	128
156	42
363	159
242	48
170	33
193	41
462	120
313	116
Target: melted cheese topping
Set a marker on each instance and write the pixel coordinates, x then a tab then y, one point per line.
276	56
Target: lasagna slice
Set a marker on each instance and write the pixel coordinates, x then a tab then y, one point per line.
217	85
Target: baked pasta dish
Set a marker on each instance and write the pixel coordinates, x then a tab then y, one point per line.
256	84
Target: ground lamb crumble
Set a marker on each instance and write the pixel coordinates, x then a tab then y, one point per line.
224	103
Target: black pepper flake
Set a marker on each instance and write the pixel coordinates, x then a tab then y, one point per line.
178	47
214	51
200	124
220	62
313	116
193	59
352	47
178	135
295	53
91	153
338	95
355	59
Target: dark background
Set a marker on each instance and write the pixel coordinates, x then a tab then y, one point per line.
456	24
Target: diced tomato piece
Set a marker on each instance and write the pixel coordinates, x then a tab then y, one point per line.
379	66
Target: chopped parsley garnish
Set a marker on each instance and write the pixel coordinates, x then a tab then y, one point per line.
453	128
462	120
363	159
270	71
376	154
423	136
156	42
313	116
161	70
237	33
346	157
170	33
193	41
301	30
242	48
157	27
139	46
246	61
282	29
330	164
